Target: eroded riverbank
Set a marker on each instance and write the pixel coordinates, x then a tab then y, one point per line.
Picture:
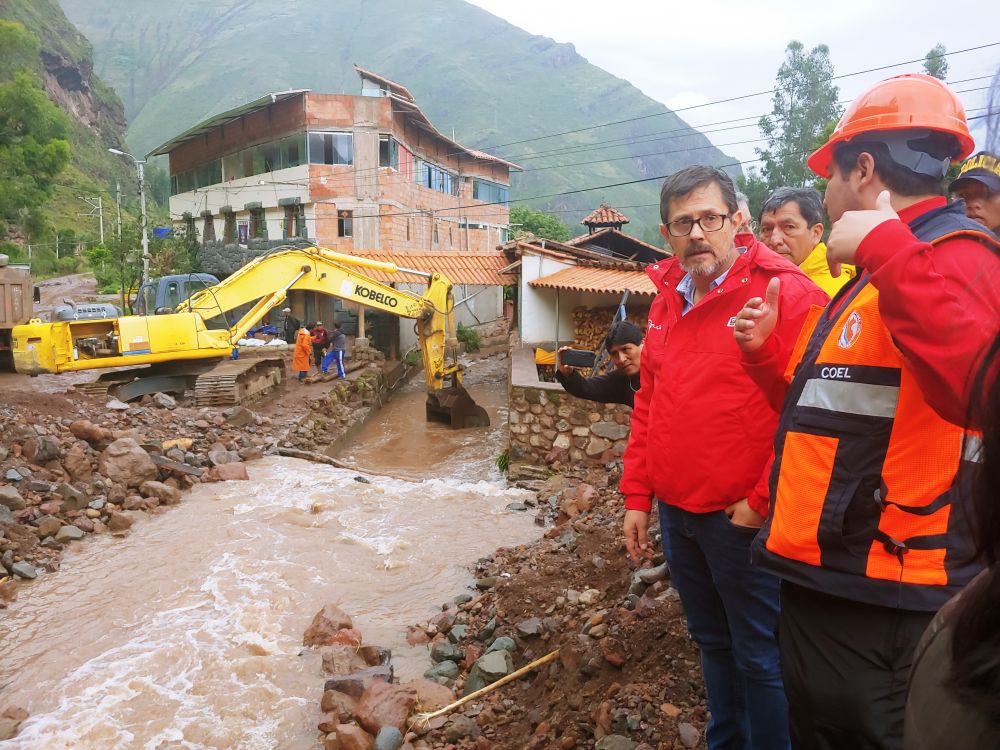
188	633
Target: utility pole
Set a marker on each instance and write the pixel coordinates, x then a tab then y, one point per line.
118	203
96	204
139	164
145	235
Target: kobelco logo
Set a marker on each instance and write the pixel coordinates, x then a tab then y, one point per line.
850	332
380	297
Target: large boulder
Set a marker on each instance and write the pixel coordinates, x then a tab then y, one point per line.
10	498
356	683
325	625
42	449
487	670
341	659
350	737
385	705
92	433
125	461
163	492
236	471
430	695
77	464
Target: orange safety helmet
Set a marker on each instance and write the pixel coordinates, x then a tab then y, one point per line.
906	102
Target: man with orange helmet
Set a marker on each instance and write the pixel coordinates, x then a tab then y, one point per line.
866	529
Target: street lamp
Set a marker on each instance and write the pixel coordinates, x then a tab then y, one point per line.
139	164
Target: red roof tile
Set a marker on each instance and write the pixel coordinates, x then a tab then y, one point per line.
459	268
584	279
605	214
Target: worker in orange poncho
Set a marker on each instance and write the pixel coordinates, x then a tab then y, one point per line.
303	351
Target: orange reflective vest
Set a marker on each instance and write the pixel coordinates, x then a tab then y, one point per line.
867	490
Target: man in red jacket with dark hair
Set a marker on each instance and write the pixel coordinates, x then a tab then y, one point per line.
700	443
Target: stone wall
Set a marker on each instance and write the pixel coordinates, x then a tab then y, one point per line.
551	430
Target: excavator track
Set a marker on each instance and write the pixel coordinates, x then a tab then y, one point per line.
238	381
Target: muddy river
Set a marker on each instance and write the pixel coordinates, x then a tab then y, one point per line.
187	633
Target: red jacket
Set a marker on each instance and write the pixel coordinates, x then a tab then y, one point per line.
940	303
702	432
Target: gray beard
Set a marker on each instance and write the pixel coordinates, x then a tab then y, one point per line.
712	270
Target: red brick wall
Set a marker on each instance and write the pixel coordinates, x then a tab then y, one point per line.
267	124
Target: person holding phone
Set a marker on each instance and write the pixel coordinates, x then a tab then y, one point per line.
624	345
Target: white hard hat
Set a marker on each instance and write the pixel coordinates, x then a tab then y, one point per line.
319	322
287	309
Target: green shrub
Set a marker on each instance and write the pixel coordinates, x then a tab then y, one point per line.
503	460
469	337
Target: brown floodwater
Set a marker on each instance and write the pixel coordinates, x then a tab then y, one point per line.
187	633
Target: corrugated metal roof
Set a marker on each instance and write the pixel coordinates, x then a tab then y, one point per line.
459	268
221	119
583	279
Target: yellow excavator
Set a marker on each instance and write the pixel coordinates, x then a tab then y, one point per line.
180	352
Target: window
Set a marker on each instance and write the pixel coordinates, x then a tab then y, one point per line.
172	295
388	152
490	192
435	178
345	223
258	224
291	151
294	223
331	148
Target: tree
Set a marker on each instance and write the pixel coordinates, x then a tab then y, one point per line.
524	219
33	130
19	49
804	107
755	188
117	264
936	64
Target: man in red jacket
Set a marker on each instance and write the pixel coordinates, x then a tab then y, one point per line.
869	528
700	443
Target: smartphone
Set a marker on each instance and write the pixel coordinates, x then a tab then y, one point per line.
577	358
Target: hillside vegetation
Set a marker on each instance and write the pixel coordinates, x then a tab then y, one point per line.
61	65
174	64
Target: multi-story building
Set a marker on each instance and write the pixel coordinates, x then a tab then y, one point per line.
367	175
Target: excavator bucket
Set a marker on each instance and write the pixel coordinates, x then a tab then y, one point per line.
454	406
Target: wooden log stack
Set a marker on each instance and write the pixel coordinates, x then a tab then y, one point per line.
591	324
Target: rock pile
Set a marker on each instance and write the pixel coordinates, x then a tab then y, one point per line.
363	709
83	468
627	675
327	418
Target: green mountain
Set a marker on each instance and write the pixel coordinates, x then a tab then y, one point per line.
489	82
96	115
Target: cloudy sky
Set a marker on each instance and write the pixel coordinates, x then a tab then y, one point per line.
688	54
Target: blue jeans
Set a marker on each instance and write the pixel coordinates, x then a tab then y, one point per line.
338	355
732	614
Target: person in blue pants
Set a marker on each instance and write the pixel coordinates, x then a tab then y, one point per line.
338	345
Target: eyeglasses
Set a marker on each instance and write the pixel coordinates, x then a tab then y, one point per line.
710	223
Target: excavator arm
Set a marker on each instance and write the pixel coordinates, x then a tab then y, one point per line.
263	284
337	275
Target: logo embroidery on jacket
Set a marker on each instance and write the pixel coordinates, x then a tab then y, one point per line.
851	331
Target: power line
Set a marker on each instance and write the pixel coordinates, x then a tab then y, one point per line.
694	130
735	98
